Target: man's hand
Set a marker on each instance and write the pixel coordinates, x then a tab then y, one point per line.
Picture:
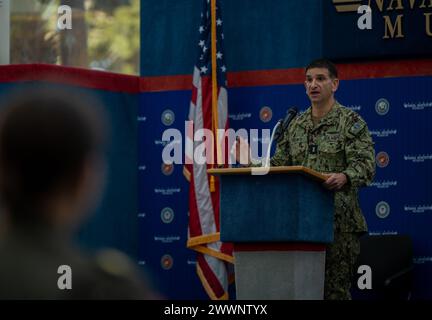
335	181
242	151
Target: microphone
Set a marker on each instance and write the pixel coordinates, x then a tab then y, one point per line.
290	115
280	127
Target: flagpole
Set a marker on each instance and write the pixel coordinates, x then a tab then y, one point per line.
204	230
214	89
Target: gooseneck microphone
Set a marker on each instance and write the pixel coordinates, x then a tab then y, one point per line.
290	115
279	130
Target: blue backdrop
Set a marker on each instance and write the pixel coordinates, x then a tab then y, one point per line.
398	113
284	34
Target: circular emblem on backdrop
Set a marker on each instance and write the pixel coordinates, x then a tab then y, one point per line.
266	114
168	117
167	215
382	159
382	106
166	262
382	209
167	168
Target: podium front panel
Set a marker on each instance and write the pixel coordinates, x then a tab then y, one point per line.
275	208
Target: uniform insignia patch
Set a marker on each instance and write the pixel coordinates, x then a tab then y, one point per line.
356	128
313	148
332	137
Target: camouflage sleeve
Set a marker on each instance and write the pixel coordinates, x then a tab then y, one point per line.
281	156
359	152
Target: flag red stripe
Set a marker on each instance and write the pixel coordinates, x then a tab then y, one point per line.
194	218
194	95
211	278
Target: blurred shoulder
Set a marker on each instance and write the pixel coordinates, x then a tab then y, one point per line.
116	276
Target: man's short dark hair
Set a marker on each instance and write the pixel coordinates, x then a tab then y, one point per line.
324	63
46	136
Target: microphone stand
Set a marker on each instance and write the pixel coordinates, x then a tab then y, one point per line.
275	129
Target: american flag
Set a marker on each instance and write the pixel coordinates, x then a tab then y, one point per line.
214	259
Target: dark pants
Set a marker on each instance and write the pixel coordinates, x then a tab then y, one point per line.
341	257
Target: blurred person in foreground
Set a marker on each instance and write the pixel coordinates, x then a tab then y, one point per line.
51	176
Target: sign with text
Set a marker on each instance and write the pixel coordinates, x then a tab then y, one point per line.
397	28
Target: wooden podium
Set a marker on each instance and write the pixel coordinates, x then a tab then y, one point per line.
280	223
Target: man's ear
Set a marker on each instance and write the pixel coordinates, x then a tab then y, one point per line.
335	84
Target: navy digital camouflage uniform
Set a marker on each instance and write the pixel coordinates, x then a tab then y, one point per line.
340	142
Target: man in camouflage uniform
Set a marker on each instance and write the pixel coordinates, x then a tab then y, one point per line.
334	140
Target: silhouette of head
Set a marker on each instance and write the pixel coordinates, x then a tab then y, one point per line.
51	143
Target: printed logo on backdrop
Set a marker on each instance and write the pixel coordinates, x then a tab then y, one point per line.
167	239
266	114
382	159
382	233
417	105
166	262
167	168
422	259
168	117
418	158
354	107
383	184
167	215
167	192
382	209
382	106
384	133
239	116
417	208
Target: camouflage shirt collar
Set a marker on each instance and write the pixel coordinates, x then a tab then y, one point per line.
329	118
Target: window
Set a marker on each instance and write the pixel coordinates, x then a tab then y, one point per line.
104	34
